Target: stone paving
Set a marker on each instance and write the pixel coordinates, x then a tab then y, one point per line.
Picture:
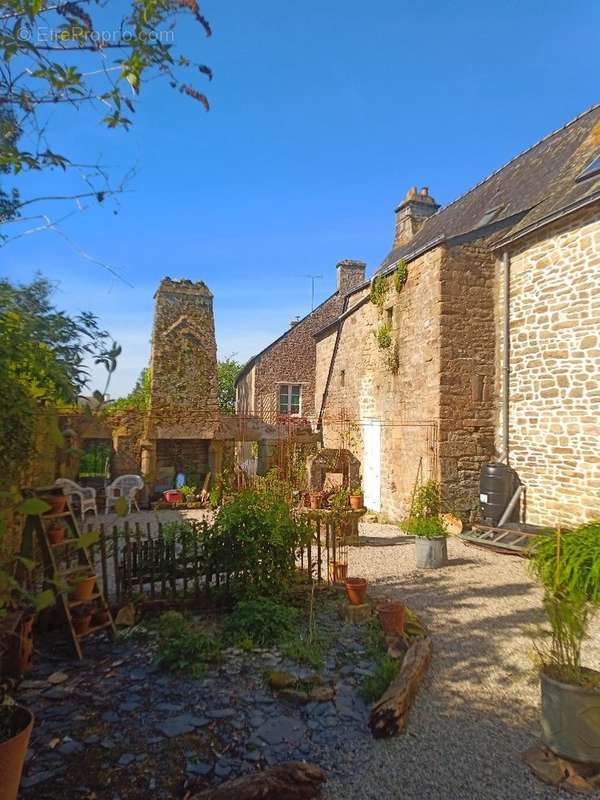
116	726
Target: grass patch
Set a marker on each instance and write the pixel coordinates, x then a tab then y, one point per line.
373	686
305	651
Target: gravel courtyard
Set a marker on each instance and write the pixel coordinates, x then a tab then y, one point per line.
478	709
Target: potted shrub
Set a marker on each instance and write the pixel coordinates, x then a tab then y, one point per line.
356	498
568	567
427	526
16	724
57	503
431	549
83	587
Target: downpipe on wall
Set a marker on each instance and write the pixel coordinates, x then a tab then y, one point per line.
506	360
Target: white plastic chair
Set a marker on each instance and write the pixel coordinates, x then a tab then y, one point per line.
85	495
126	486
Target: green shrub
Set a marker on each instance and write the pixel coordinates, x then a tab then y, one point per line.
305	650
373	686
568	567
378	292
254	539
183	647
425	527
262	621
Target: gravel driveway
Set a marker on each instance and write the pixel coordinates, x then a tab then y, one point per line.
478	709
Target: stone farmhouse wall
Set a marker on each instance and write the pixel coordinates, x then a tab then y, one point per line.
555	369
467	371
364	388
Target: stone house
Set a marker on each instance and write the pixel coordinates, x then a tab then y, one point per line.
280	380
479	339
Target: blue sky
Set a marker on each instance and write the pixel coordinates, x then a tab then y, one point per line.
322	115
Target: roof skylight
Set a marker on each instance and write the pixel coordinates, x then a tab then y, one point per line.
590	171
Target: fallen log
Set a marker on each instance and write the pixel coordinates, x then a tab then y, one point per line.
292	781
388	714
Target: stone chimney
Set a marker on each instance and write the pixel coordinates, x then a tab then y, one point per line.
349	274
412	213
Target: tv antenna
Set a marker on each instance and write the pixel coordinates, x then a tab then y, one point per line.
313	278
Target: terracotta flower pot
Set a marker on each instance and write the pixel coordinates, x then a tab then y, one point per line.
391	616
100	617
338	572
315	501
12	753
356	589
356	502
84	588
57	503
82	622
56	534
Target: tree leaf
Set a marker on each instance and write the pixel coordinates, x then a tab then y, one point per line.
33	506
87	540
43	599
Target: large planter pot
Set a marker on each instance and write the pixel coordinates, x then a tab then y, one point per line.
571	720
82	622
431	553
56	534
173	496
356	589
12	754
391	615
315	501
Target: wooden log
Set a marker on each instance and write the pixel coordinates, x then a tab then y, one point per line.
294	780
388	714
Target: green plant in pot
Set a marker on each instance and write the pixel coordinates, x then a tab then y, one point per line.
357	499
427	526
568	567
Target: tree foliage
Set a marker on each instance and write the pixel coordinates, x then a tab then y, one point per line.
138	398
57	58
228	370
42	354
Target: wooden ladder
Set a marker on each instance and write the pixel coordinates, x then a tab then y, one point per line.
56	563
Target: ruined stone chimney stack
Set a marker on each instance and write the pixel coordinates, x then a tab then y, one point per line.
349	274
412	213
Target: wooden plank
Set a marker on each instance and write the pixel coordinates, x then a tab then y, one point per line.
140	565
116	566
152	555
127	559
163	566
103	560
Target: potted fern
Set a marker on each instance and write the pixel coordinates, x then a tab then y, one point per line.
568	567
428	528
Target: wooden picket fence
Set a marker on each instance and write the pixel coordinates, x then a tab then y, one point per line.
135	559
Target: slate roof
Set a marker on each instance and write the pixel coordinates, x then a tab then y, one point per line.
537	184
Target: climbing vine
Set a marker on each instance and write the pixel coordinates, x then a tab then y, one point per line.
378	293
400	275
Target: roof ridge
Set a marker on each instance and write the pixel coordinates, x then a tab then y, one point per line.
514	158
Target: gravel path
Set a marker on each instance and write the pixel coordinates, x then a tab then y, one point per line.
478	709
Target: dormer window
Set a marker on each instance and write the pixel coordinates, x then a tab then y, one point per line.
590	171
490	216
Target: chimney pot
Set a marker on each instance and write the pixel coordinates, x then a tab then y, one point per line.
425	191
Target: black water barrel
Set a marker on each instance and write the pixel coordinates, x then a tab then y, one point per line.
497	484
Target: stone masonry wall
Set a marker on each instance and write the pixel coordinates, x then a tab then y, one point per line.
291	359
363	386
467	372
555	369
183	399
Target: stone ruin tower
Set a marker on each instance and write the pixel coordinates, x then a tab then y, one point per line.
184	413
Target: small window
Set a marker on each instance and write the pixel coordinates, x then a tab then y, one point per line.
390	315
289	398
590	171
343	377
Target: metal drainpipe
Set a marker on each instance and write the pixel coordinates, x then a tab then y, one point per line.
506	358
